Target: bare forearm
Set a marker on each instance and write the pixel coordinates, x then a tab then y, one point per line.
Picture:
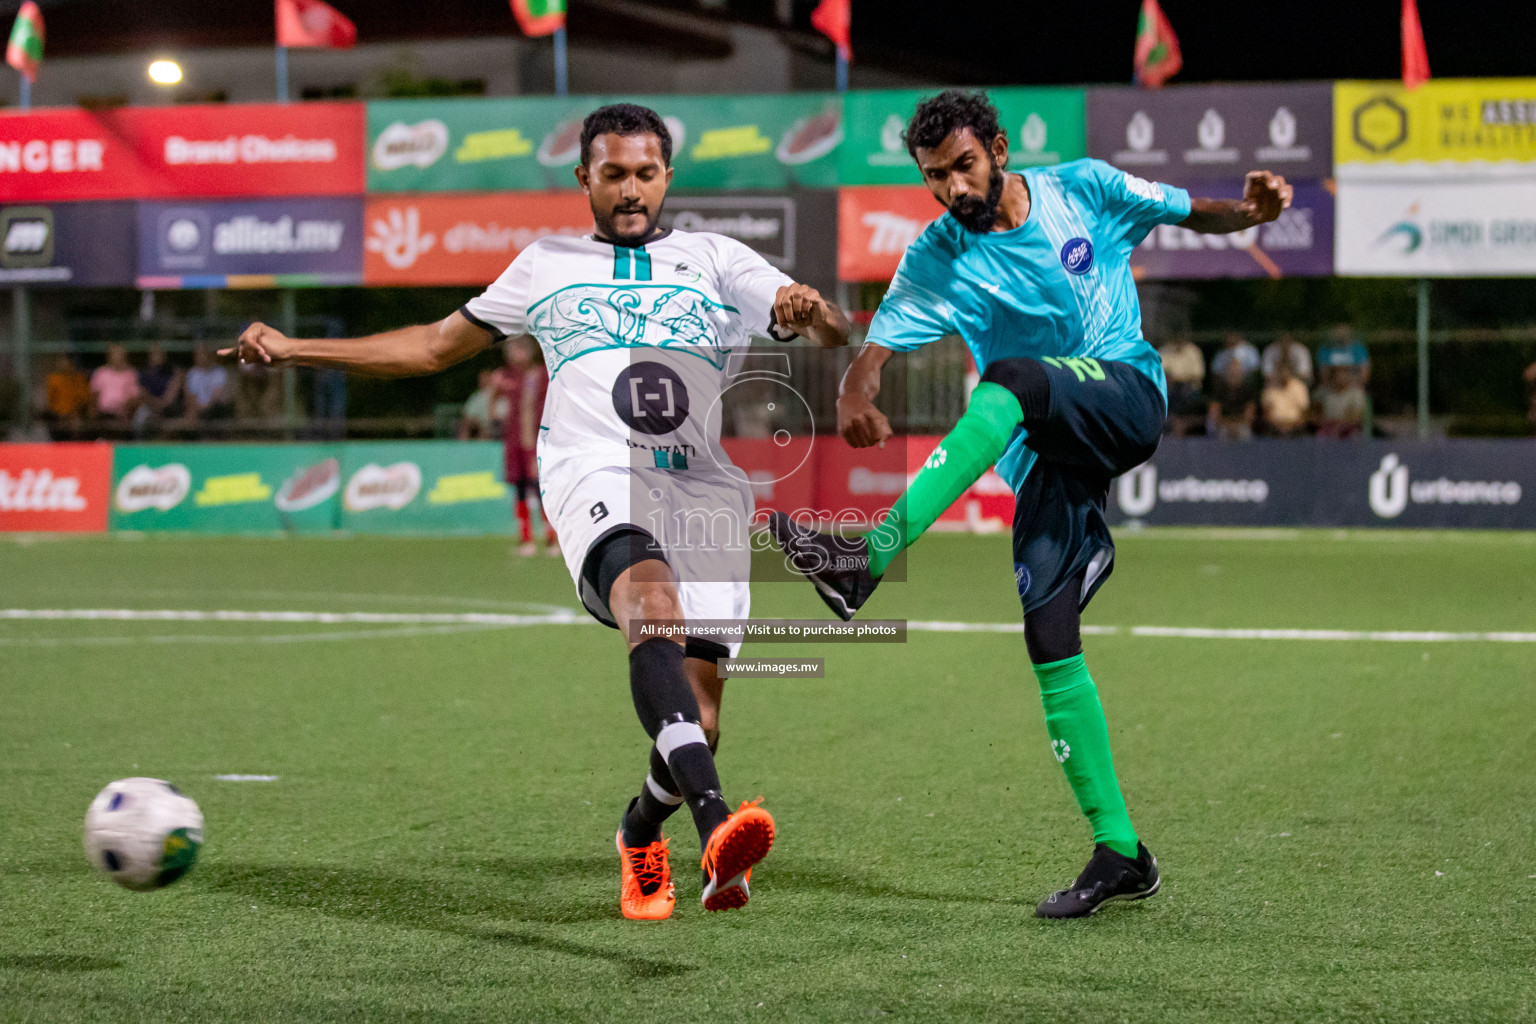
833	332
407	352
1218	216
862	379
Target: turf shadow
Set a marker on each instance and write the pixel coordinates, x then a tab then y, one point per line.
460	903
56	963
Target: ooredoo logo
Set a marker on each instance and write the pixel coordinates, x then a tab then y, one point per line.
143	488
375	486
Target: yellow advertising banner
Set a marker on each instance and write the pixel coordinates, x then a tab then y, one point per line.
1481	121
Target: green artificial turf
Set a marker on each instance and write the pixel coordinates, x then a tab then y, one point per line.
1346	829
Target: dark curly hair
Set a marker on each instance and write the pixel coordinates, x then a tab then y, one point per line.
625	119
939	116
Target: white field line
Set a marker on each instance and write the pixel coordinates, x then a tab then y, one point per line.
1203	633
269	638
435	622
559	617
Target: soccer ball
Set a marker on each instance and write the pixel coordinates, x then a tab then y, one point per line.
143	833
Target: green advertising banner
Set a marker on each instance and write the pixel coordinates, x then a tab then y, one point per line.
1044	126
719	142
424	487
226	488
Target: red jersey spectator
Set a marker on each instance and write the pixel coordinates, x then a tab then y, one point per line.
522	383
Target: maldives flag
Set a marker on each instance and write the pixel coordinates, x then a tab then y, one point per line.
539	17
1157	48
834	19
25	50
313	23
1415	59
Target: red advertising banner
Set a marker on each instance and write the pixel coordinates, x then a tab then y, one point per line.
428	239
54	487
875	224
228	150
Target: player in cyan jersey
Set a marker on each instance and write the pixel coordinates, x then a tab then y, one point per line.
637	325
1032	270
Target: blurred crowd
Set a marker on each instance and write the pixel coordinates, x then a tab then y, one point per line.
1284	391
158	399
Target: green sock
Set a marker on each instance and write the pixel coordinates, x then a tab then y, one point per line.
1080	740
978	440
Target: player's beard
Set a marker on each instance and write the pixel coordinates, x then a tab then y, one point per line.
606	224
977	214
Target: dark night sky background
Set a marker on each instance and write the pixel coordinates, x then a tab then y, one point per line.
1022	42
1064	42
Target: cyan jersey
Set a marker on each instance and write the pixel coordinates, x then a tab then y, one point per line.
1058	285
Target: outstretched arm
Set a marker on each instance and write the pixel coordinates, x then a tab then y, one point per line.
1265	195
407	352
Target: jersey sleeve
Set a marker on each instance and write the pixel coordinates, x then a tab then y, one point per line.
915	310
502	308
1131	206
749	283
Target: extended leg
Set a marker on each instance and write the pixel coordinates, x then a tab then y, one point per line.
1121	867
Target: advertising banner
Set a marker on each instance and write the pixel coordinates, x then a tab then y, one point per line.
54	487
184	151
875	224
82	244
428	239
1457	484
1299	244
861	484
1188	133
425	487
1044	126
226	488
1472	228
718	142
1474	126
796	231
258	244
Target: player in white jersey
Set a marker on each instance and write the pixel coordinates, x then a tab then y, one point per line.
637	326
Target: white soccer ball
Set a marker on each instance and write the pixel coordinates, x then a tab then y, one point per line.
143	833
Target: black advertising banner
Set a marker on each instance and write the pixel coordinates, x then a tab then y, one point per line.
84	245
1455	484
795	230
1189	133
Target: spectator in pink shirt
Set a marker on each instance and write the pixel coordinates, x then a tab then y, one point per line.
115	386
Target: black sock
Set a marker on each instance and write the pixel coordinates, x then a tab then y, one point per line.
658	798
670	713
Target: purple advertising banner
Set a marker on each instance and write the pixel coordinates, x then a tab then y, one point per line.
1188	133
222	244
67	244
1299	244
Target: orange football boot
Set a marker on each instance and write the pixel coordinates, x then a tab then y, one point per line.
645	888
736	844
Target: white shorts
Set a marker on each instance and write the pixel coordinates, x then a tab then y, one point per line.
701	520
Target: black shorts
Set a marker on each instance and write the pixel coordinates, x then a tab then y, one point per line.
1105	418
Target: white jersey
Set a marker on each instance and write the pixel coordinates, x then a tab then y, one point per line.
636	341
